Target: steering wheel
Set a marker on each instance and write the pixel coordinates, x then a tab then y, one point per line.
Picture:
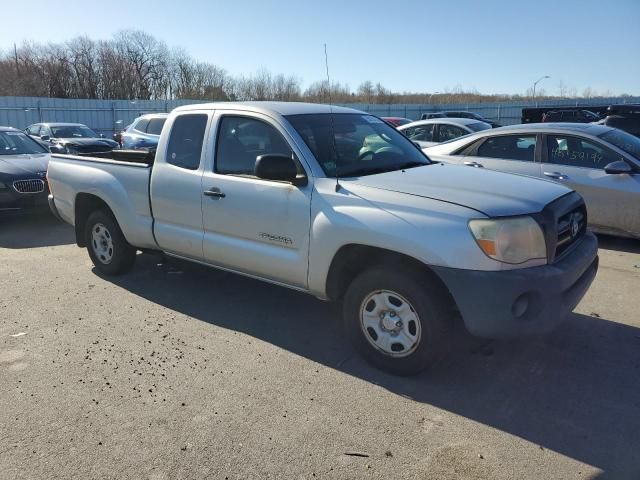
364	154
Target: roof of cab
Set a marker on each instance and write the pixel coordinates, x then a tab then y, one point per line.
281	108
8	129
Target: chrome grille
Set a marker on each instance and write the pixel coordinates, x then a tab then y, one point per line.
571	227
29	186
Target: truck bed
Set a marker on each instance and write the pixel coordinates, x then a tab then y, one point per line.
122	184
146	156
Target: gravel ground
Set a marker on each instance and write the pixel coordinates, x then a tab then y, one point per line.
178	371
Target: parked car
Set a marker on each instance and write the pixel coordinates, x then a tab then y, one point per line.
69	138
460	114
601	163
535	114
396	121
144	132
117	137
570	116
285	194
431	132
630	124
23	166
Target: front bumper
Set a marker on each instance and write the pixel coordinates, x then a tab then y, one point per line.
526	301
12	203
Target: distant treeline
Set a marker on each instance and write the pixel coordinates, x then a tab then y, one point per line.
135	65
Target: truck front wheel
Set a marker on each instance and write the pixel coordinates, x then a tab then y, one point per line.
109	250
398	320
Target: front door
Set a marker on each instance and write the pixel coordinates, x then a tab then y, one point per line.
254	226
612	199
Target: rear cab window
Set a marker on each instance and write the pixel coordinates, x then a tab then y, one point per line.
184	148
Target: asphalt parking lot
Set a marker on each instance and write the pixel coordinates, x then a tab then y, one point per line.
179	371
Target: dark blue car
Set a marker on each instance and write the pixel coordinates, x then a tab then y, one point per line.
23	168
144	132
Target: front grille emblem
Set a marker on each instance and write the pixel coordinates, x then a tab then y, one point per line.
575	225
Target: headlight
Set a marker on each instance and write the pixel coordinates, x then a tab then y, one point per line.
510	240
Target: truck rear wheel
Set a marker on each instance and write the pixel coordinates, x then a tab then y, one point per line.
109	250
399	321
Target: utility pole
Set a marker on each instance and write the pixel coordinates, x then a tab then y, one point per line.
15	54
536	83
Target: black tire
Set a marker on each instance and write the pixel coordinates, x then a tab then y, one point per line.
121	256
426	298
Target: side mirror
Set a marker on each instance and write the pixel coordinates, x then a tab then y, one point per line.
618	167
45	138
278	167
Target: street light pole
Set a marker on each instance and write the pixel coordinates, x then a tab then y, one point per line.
536	83
431	96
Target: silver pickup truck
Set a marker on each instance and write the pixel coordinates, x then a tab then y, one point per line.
336	203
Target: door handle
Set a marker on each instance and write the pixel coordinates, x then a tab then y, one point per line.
557	175
214	192
474	164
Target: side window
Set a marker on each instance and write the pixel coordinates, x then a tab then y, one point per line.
509	147
576	152
155	126
421	133
241	140
141	125
449	132
34	130
185	143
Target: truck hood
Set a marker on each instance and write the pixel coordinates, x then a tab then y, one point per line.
495	194
21	164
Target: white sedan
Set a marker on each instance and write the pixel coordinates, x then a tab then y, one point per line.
437	130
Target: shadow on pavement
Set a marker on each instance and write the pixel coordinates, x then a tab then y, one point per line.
33	231
576	392
629	245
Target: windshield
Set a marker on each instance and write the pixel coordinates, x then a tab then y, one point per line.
624	141
479	126
356	144
73	131
18	143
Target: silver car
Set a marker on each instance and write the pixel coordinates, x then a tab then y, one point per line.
600	162
437	130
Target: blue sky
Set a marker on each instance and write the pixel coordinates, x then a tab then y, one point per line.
494	46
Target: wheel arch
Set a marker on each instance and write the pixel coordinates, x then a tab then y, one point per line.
85	204
352	259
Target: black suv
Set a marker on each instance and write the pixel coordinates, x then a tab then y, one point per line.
572	116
